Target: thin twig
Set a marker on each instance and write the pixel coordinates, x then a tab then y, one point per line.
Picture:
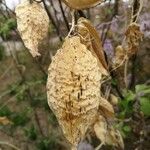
10	145
55	12
6	71
116	87
126	73
133	78
65	19
109	24
136	9
52	20
99	146
73	22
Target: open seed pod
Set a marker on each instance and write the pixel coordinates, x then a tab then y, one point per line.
81	4
74	89
32	24
89	37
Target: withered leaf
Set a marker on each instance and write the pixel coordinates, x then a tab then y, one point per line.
81	4
33	23
91	39
74	88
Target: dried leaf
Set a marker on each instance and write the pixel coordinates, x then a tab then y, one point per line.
82	4
91	39
107	134
74	88
5	121
33	23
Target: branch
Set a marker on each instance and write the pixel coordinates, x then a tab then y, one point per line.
104	36
55	12
133	71
52	20
65	19
116	87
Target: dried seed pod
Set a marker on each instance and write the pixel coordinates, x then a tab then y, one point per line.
74	88
120	54
33	23
133	38
91	39
107	133
81	4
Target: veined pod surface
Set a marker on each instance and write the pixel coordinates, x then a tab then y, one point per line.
32	24
81	4
73	88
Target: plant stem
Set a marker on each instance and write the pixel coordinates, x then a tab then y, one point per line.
52	20
10	145
63	13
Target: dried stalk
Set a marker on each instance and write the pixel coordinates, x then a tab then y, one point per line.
63	13
52	20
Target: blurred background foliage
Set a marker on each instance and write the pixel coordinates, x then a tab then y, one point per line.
26	122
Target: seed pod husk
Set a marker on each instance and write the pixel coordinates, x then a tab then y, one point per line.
74	88
32	24
133	38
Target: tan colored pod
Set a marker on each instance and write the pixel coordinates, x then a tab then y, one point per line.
81	4
32	24
74	88
133	38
